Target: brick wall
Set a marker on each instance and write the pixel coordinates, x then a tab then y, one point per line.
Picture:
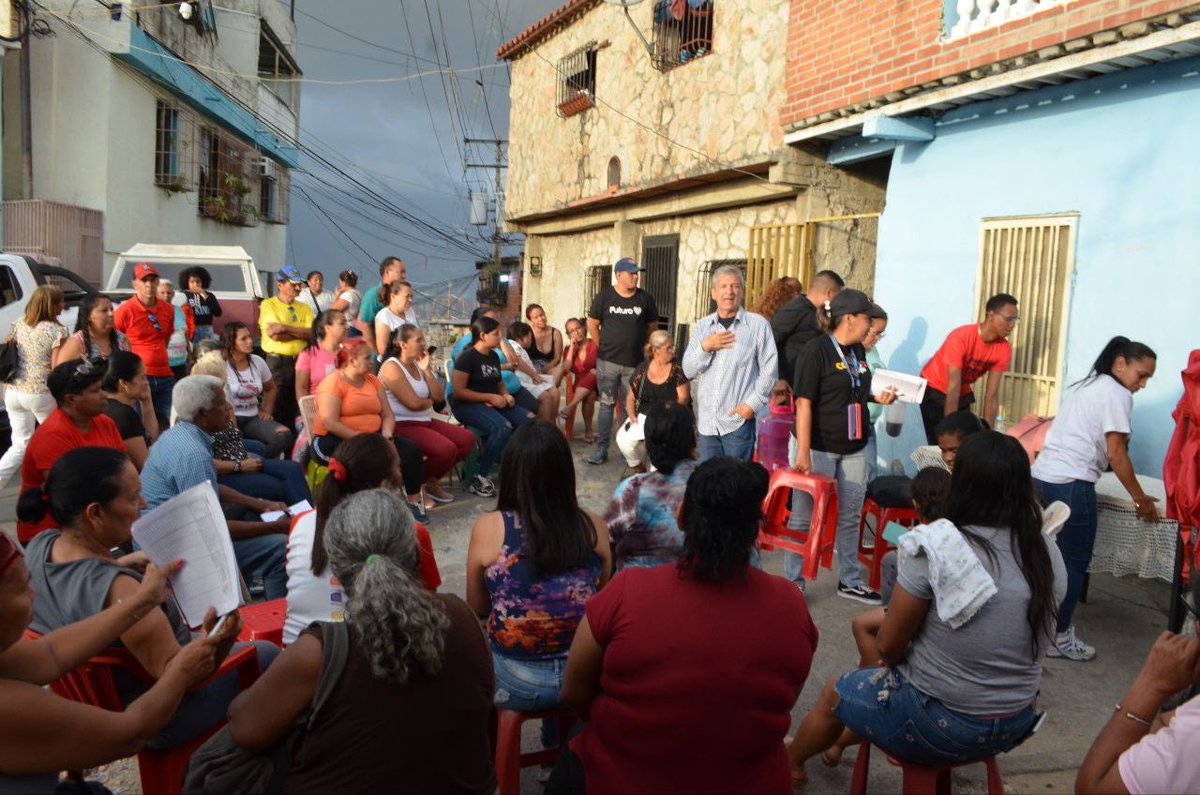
841	53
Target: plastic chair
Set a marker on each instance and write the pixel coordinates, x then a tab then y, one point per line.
509	759
1031	433
816	543
264	621
872	556
921	779
92	683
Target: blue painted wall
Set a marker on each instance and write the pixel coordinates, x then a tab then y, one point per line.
1124	152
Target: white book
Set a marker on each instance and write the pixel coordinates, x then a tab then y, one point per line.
909	388
190	526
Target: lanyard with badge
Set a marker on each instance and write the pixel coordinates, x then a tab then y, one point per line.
854	411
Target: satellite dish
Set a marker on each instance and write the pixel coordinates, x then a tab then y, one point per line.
623	3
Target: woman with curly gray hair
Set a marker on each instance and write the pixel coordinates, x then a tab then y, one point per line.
417	664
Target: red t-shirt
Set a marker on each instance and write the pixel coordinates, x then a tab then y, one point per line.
132	319
965	349
54	437
697	685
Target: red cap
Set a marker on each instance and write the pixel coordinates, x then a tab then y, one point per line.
144	270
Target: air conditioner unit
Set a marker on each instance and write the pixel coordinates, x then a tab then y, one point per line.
268	168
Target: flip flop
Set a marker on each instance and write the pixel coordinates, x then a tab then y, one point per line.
443	500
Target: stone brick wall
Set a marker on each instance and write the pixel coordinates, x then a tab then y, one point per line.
842	53
714	112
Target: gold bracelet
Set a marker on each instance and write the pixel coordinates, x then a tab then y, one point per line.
1132	717
136	617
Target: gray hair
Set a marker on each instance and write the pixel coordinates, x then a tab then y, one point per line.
729	270
194	394
372	550
212	364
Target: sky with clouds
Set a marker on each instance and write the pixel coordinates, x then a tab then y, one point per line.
382	119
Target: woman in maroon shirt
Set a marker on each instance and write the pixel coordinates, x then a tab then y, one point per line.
683	716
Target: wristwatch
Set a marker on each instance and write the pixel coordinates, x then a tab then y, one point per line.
237	466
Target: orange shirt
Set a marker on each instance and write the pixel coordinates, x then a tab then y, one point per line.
965	349
361	410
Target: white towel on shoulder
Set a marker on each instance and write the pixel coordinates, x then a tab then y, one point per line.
960	583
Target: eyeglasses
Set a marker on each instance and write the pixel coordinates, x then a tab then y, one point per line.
153	318
292	312
877	334
85	367
1011	320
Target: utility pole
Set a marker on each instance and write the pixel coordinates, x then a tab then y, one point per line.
499	142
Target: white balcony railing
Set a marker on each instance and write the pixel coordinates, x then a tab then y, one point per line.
964	17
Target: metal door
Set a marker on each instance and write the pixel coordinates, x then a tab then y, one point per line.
660	259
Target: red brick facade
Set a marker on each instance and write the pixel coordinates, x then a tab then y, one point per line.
842	53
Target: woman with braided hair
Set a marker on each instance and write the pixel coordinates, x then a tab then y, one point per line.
366	461
411	708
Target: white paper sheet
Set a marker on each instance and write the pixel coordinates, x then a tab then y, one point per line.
293	510
909	388
191	526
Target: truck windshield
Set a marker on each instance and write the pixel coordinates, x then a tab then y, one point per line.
225	278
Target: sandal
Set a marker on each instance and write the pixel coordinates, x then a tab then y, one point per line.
444	497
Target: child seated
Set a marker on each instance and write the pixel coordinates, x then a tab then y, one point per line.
928	492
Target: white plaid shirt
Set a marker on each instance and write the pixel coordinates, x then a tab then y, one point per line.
745	373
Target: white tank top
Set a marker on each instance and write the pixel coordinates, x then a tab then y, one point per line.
420	389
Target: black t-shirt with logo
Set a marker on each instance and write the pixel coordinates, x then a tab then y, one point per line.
483	370
623	325
822	378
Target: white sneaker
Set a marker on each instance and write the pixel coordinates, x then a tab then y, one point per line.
1069	647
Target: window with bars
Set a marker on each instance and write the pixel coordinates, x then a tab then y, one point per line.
1032	259
170	140
273	194
577	80
683	31
596	279
228	179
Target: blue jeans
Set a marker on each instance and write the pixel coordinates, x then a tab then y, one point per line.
1076	539
264	557
739	444
612	381
530	685
496	425
160	397
200	709
880	705
850	471
279	480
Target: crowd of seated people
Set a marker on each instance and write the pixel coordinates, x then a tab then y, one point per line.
654	623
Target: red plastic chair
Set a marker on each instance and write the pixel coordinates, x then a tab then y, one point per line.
92	683
815	544
920	779
264	621
872	556
509	759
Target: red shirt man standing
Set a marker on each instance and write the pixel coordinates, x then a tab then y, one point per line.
149	324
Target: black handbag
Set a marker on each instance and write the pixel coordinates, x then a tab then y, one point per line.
9	358
222	766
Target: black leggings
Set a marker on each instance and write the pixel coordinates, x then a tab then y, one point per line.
412	465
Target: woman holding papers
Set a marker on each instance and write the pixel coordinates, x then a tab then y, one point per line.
41	733
972	615
833	387
94	496
658	379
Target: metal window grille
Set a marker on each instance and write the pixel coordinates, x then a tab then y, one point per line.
577	80
172	138
276	67
614	173
227	179
704	303
660	258
683	31
1032	259
596	279
273	197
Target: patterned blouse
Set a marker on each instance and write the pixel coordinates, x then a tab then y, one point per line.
33	354
93	350
534	618
641	518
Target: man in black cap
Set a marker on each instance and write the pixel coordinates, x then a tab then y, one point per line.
627	315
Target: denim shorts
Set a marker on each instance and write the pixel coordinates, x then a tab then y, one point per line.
528	685
880	705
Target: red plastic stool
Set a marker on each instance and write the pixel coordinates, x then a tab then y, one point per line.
921	779
509	759
816	543
872	557
264	621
